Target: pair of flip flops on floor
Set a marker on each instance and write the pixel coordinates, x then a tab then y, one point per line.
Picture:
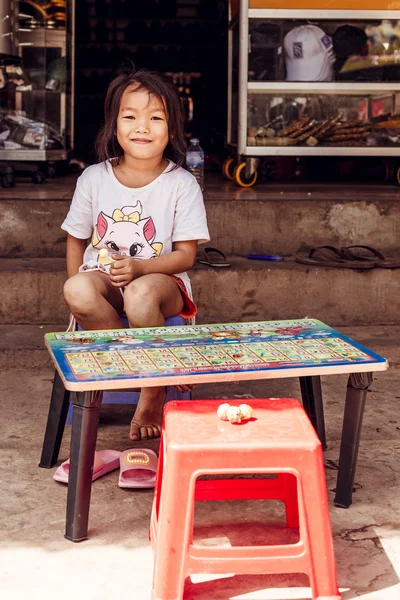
212	257
137	467
348	257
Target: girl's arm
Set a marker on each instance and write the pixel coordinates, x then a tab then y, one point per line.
75	251
124	270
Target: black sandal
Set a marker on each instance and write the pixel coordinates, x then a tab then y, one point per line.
375	256
212	257
329	256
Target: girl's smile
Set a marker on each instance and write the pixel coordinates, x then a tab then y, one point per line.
141	141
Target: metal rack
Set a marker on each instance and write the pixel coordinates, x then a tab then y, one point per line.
37	46
242	90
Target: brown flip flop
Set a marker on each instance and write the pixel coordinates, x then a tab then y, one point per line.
329	256
368	253
212	257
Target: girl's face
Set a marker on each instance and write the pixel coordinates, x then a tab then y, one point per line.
142	126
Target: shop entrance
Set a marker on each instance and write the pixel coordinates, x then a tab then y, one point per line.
185	38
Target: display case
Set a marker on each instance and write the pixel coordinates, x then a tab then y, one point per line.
36	96
307	82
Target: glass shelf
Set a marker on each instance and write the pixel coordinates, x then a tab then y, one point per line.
323	121
356	49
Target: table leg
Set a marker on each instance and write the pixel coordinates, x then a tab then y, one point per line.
357	388
58	410
83	444
311	395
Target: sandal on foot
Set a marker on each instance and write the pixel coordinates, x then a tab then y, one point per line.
368	253
138	468
329	256
104	462
212	257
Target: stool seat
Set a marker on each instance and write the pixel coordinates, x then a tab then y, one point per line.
276	422
279	440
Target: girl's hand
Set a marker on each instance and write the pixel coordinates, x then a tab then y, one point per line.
124	270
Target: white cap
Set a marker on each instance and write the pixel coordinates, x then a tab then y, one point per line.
308	54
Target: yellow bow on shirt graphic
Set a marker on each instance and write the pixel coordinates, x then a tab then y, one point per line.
118	215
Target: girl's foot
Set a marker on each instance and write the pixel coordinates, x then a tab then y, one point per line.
145	428
146	422
186	387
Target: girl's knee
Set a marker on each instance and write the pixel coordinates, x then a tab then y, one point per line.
79	292
140	295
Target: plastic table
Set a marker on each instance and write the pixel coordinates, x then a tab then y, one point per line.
89	362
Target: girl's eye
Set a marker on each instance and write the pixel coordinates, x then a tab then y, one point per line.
113	246
129	117
157	118
136	249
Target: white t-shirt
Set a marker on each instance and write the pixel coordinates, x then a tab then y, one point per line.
140	222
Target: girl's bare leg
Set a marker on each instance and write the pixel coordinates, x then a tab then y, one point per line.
94	301
148	301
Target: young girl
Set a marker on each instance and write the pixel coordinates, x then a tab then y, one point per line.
142	207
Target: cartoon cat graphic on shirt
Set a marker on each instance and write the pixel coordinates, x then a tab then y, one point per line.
125	233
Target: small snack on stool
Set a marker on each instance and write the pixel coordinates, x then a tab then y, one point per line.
234	415
246	411
222	411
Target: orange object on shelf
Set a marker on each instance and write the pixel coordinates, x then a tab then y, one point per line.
278	440
328	5
318	5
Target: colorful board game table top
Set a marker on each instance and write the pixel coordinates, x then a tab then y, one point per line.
91	360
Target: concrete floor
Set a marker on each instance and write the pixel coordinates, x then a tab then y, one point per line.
36	562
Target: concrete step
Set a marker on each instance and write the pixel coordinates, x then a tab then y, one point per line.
283	219
271	219
31	293
22	346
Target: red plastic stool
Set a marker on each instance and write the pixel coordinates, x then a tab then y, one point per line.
278	440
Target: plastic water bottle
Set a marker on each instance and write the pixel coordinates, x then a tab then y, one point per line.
195	161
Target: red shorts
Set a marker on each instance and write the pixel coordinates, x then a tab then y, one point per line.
189	307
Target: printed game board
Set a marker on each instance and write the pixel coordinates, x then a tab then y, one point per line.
233	348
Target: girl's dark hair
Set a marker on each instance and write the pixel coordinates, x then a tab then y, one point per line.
107	145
